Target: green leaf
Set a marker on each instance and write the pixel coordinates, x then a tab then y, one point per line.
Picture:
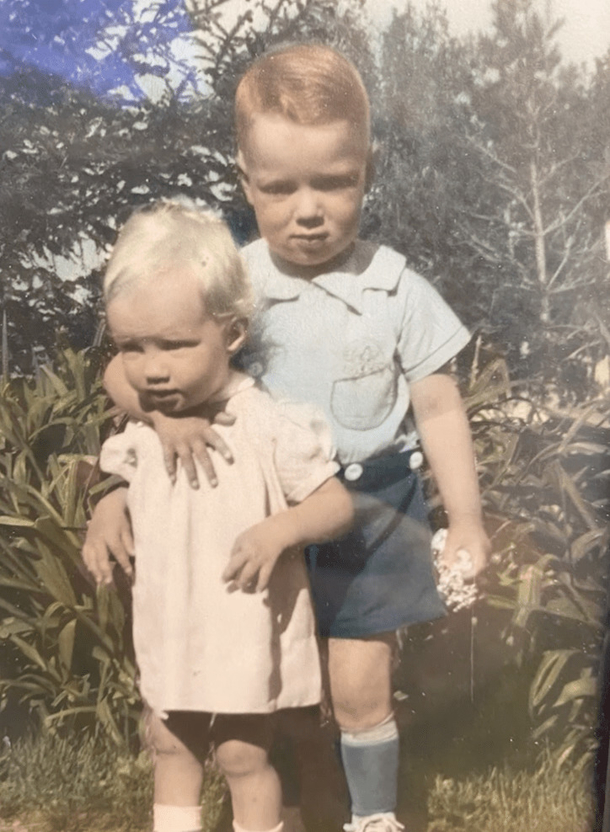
66	644
586	686
547	676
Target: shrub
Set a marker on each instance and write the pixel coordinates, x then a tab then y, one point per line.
68	644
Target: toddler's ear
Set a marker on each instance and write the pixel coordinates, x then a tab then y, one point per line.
236	333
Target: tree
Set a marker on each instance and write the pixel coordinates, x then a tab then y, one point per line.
78	159
535	230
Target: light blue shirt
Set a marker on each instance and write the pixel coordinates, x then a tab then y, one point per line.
350	342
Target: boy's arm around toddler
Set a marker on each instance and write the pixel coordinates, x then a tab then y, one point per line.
443	427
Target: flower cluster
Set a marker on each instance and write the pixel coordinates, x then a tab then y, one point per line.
458	593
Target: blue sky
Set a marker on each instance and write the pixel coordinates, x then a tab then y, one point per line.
62	37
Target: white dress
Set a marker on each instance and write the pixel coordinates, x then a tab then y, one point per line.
200	646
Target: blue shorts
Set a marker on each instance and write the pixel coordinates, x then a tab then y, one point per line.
379	576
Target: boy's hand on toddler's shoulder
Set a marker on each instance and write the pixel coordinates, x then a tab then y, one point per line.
254	554
188	438
109	534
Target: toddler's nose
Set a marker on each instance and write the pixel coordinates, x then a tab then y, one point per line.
156	371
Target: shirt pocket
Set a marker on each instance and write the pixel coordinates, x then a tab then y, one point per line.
365	401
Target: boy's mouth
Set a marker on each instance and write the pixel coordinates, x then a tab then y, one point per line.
310	239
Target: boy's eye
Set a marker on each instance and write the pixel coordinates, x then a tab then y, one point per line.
177	345
337	183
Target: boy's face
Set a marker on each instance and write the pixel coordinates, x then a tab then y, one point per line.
175	355
306	184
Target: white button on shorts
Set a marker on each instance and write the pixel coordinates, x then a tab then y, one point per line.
416	460
353	472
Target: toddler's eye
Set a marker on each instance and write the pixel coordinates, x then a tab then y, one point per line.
129	347
277	188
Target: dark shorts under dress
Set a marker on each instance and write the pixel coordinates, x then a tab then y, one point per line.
379	576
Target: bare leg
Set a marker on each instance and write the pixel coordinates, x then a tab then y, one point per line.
242	754
178	767
361	691
360	673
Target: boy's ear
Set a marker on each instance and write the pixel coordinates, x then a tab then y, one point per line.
236	332
243	176
369	173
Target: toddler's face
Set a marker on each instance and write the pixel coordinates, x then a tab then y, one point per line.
175	355
306	184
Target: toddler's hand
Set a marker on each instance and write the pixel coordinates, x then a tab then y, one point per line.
187	438
109	533
255	553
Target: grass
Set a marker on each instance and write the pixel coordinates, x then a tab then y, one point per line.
52	784
549	799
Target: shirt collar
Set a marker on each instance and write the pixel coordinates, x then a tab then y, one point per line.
368	267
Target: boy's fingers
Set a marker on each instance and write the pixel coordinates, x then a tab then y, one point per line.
208	468
211	438
217	442
200	451
224	418
188	463
169	459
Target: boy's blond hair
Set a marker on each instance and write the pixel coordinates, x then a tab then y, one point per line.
160	239
306	83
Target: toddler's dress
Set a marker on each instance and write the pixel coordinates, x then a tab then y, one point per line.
199	645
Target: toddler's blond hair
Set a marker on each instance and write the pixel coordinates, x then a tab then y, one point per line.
170	235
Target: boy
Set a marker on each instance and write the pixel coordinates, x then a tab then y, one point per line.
344	324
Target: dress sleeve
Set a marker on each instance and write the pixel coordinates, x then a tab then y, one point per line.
430	333
119	453
303	450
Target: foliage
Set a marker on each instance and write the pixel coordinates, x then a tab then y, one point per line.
66	653
549	799
493	180
74	164
61	784
66	783
544	476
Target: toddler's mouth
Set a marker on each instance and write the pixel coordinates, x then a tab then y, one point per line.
161	396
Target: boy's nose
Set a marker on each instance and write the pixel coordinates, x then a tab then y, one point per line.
308	209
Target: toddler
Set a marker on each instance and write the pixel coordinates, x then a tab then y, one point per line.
346	325
223	623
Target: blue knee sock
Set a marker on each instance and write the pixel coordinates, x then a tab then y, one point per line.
370	761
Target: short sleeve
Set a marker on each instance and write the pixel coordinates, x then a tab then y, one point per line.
303	450
430	333
119	453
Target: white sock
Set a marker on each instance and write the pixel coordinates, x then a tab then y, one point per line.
277	828
176	818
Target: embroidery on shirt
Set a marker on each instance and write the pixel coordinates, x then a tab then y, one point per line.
364	397
362	359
